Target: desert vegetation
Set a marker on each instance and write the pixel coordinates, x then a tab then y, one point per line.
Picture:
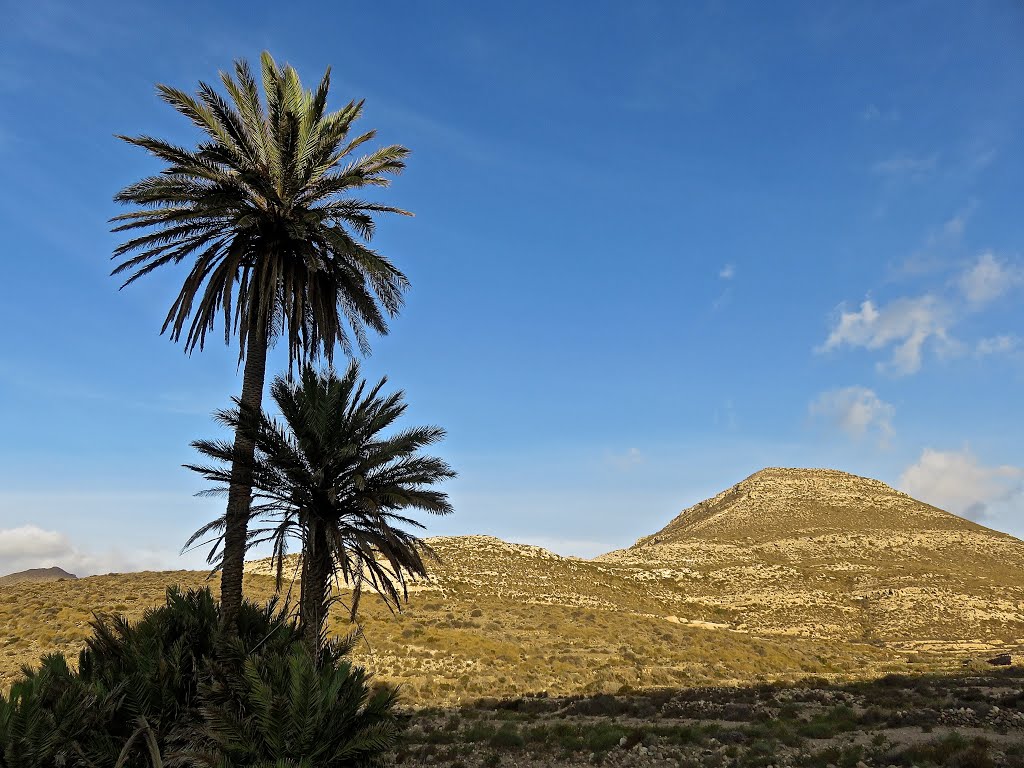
896	720
171	689
263	211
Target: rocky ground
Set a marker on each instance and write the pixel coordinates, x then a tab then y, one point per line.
970	720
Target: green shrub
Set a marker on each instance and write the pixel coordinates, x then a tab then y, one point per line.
506	737
286	706
604	736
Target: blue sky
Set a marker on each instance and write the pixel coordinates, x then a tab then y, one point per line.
657	247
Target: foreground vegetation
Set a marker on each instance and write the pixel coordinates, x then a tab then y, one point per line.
962	721
171	689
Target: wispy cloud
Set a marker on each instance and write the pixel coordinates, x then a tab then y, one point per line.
856	411
957	482
907	166
955	226
988	279
624	461
940	248
874	114
1003	344
906	326
728	272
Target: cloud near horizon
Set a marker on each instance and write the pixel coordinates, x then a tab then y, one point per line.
29	546
957	482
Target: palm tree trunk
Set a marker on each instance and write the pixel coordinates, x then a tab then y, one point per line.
236	519
317	568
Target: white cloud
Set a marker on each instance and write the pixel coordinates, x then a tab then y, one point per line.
907	325
30	546
728	272
627	460
988	279
873	113
955	225
957	482
856	411
905	165
940	242
904	325
998	345
30	541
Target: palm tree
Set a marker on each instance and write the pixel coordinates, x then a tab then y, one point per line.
328	477
277	247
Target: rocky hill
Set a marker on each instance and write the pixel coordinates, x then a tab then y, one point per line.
37	575
822	553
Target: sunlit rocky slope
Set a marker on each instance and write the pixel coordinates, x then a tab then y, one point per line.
822	553
787	574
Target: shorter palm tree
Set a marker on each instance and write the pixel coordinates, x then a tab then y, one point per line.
328	477
290	711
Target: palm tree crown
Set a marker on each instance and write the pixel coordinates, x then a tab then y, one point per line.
261	210
328	476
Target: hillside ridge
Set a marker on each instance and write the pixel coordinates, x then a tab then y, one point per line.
783	503
52	573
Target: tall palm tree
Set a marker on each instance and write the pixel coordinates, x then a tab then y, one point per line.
329	477
261	211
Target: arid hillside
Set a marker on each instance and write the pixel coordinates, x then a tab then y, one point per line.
788	574
822	553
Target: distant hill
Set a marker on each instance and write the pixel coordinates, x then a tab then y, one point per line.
37	575
823	553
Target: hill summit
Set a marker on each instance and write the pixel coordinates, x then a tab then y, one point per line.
37	575
778	503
